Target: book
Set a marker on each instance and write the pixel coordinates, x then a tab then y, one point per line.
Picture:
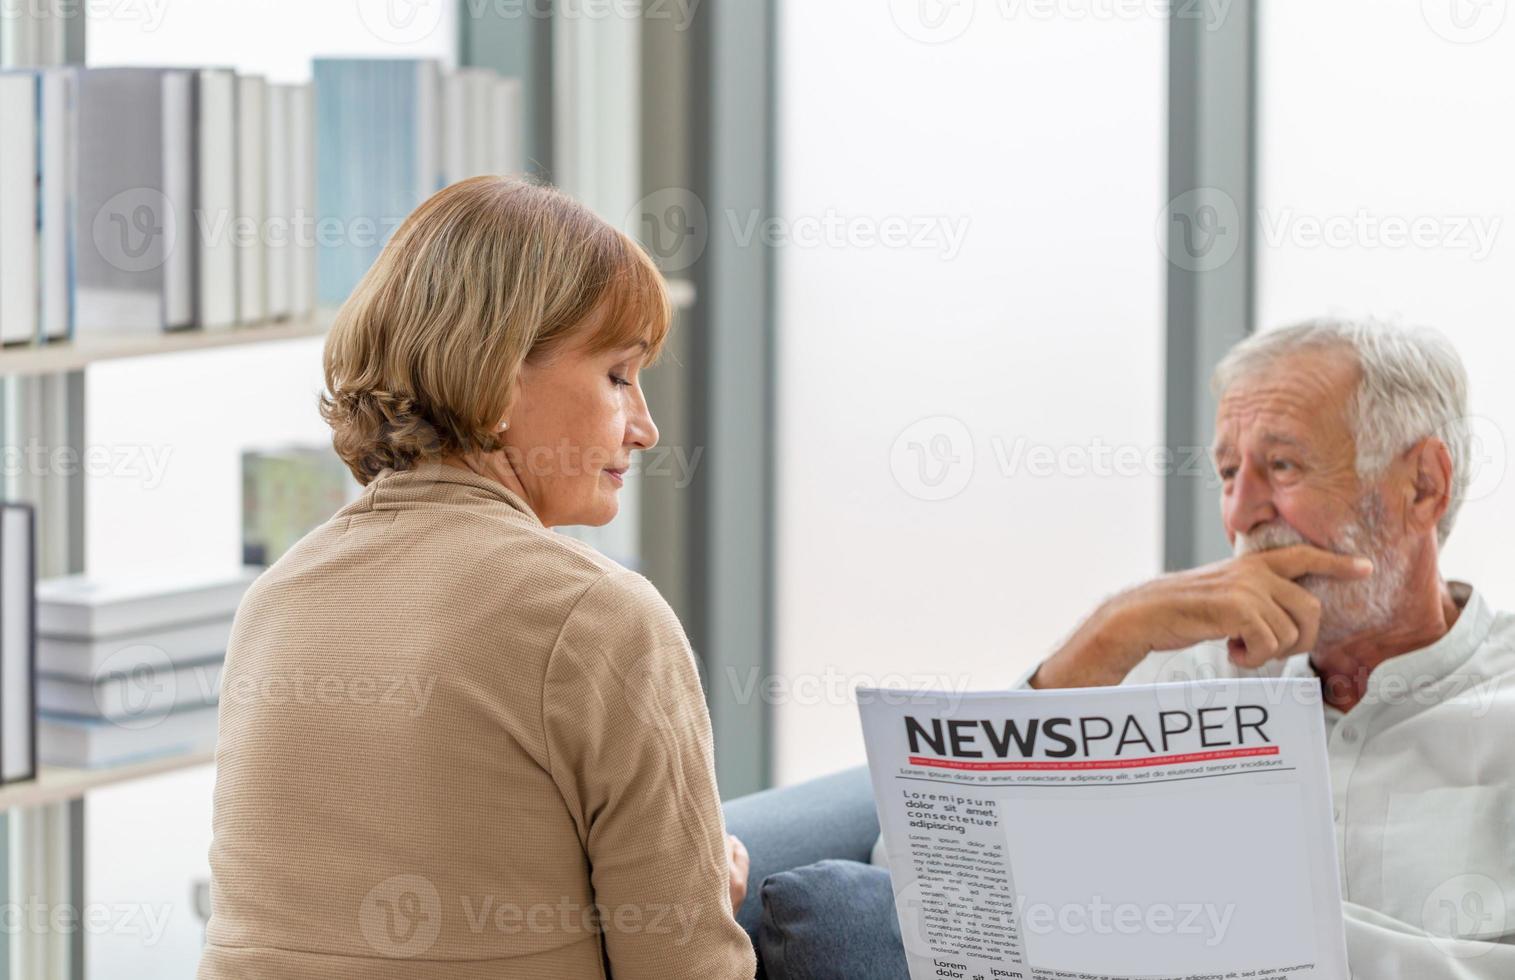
82	607
277	169
509	122
83	658
97	743
285	493
134	200
133	695
252	198
302	195
58	170
378	147
217	305
18	208
18	643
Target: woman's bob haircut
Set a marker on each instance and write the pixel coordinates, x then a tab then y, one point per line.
488	273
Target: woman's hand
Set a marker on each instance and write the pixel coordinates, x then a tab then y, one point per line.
737	861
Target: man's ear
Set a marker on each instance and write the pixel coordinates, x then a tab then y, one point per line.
1430	471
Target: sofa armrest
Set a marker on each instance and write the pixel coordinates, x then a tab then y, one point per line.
790	827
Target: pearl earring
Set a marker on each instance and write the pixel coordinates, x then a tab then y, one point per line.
503	426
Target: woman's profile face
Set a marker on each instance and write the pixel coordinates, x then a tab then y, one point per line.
576	420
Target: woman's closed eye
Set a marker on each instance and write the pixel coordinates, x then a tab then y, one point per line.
617	379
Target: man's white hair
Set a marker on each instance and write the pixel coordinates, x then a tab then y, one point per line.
1413	385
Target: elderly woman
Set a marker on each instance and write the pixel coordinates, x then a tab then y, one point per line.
454	743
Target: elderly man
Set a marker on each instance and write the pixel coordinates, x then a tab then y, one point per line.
1343	451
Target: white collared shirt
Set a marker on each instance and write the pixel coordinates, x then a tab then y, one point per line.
1423	783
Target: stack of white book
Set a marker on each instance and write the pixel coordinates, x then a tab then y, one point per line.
131	669
146	199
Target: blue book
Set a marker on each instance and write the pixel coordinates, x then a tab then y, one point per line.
378	149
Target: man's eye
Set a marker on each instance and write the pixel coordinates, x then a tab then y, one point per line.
1283	464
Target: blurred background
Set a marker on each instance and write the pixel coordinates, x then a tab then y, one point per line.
950	277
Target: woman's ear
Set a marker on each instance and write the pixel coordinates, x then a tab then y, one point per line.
1430	469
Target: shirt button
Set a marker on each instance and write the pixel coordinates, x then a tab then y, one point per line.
1349	735
1336	813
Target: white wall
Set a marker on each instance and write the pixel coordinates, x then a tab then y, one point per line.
1046	135
1381	121
272	37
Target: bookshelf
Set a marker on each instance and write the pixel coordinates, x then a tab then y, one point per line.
56	784
77	354
84	351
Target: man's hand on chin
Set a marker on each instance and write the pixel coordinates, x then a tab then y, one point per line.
1254	602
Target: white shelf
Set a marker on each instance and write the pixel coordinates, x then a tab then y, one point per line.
55	784
76	354
86	350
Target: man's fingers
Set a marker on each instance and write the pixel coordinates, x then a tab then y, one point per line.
1262	645
1299	560
1304	609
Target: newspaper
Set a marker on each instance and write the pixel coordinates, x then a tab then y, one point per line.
1178	831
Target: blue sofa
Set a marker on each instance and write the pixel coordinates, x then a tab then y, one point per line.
828	818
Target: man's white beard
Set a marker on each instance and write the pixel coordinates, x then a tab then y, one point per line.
1347	607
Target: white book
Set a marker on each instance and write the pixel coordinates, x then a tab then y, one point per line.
509	127
178	186
278	169
85	658
252	198
97	743
429	123
216	198
18	208
83	607
455	128
59	171
18	643
302	195
133	697
481	119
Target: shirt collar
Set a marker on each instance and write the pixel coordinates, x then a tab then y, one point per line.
1429	665
434	479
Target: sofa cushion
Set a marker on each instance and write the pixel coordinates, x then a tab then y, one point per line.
832	920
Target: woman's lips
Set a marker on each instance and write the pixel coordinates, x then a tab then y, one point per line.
619	476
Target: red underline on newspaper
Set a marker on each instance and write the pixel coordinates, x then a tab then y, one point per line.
1041	765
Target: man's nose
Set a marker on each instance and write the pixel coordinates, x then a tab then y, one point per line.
1250	502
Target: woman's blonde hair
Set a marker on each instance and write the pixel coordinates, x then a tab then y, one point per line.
423	357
